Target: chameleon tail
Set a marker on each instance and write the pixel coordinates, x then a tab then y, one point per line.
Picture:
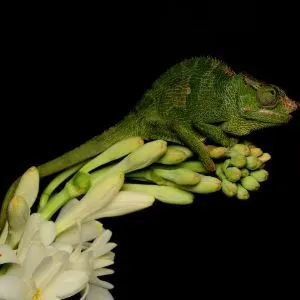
89	149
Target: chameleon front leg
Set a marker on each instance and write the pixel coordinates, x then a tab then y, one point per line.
192	140
215	133
188	137
241	127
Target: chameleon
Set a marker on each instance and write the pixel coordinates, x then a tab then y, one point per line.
196	99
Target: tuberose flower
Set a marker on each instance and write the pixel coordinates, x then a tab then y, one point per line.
46	267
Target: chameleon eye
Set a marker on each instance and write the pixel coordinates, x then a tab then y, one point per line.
267	97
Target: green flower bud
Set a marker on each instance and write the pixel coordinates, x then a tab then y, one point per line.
239	149
116	151
225	164
172	156
245	172
208	184
18	212
188	153
256	151
216	152
265	157
250	183
260	175
78	185
229	188
242	193
195	166
253	162
167	194
178	176
142	157
233	174
238	160
28	186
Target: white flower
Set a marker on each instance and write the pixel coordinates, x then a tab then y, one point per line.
49	268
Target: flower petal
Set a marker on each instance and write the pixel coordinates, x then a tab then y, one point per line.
7	255
97	197
98	293
68	283
124	203
101	283
36	253
47	232
102	262
105	249
60	246
49	268
67	207
103	272
83	263
11	288
100	242
89	231
4	233
30	234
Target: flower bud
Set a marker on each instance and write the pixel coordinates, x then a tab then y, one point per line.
250	183
229	188
265	157
172	156
196	166
167	194
238	160
245	172
216	152
207	184
253	162
233	174
240	149
18	212
260	175
256	151
178	176
242	193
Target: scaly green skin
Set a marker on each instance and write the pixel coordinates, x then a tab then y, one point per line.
195	99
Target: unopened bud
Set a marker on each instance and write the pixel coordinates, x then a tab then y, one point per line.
250	183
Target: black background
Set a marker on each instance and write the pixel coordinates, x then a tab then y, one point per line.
71	72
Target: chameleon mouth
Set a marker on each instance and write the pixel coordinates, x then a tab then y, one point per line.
290	105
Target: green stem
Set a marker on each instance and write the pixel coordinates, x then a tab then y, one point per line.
77	186
59	179
55	203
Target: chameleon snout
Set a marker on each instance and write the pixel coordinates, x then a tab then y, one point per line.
291	105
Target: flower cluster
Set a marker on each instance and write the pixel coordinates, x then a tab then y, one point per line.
62	249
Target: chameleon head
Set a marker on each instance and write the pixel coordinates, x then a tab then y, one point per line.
265	103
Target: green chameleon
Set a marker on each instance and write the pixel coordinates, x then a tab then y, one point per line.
195	99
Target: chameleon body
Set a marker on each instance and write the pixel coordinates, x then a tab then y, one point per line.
196	99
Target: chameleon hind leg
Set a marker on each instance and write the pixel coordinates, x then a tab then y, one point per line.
215	133
188	137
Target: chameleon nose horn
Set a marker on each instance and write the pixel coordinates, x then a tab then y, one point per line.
291	105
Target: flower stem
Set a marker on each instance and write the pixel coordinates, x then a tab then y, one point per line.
55	183
77	186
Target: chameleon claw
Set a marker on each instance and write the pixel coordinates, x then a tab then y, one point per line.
209	165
